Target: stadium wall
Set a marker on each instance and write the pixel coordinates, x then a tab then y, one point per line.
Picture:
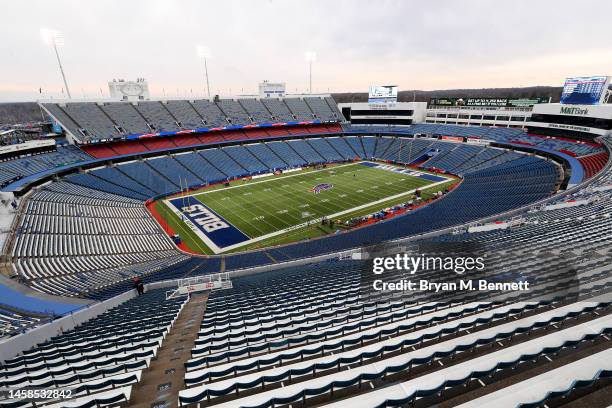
513	117
337	256
18	344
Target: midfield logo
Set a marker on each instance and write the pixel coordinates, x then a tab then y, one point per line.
320	187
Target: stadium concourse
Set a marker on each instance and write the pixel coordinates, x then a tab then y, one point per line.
305	331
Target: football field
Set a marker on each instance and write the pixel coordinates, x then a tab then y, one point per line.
288	207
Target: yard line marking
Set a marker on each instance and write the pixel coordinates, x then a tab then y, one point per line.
238	214
267	180
297	192
316	220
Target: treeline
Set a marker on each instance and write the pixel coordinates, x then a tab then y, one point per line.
553	92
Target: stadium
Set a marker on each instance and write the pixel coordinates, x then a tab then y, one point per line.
303	249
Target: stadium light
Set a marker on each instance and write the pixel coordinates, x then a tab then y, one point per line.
204	53
55	39
310	57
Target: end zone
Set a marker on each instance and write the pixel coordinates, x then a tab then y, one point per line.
209	226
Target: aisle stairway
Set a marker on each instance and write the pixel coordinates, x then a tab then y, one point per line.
163	379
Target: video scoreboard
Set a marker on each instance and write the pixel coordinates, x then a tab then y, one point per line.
585	90
382	94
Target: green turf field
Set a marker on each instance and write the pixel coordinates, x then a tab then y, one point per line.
283	208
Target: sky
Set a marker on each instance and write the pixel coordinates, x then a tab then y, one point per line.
424	45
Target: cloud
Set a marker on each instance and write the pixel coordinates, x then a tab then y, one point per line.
422	45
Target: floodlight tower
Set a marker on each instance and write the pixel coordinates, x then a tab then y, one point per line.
204	53
55	38
310	57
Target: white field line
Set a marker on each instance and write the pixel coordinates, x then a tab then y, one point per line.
218	250
317	220
267	180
